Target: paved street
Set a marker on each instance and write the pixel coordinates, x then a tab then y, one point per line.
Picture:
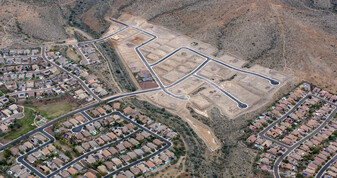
104	38
293	147
87	154
149	67
23	162
86	116
73	113
168	144
190	74
111	98
85	60
87	89
79	128
239	103
262	134
326	166
154	75
272	81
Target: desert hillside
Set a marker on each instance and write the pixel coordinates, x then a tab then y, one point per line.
297	37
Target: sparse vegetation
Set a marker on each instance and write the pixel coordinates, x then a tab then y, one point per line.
52	110
119	71
23	125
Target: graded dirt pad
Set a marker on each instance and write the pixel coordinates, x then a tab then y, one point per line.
247	88
179	108
226	105
298	37
188	87
177	66
216	72
123	35
125	43
200	102
232	60
148	85
112	28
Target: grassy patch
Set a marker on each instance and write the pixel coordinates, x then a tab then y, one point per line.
26	125
53	110
71	53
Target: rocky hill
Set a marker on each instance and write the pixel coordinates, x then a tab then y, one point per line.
296	37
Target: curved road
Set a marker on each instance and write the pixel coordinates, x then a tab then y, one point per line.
239	103
43	51
162	87
293	147
150	69
326	166
272	81
262	134
168	144
116	96
40	129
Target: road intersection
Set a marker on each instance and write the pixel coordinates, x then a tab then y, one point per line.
262	134
78	128
291	148
40	129
164	88
111	98
43	51
239	103
159	82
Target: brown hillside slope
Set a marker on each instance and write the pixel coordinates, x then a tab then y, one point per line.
296	37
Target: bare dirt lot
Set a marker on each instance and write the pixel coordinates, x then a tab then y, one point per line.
251	90
295	37
177	66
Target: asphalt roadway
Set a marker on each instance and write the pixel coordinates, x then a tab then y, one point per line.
150	69
149	66
279	159
86	116
40	129
333	159
262	134
291	148
43	51
104	38
168	144
272	81
326	166
79	128
239	103
162	87
190	74
23	162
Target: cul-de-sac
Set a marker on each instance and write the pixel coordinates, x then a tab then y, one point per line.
120	89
